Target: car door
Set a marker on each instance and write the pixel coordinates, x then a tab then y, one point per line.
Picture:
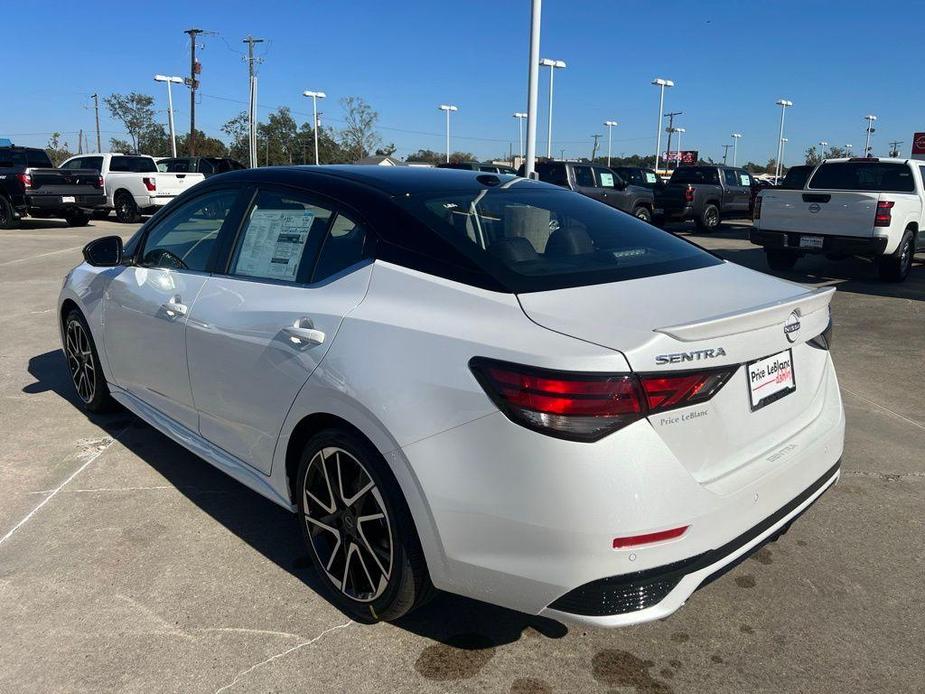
613	189
258	331
584	183
737	196
147	303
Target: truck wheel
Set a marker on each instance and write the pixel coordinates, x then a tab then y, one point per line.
896	267
779	260
126	209
8	219
78	218
709	218
643	214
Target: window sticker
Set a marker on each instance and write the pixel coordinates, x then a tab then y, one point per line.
606	179
650	177
743	180
273	243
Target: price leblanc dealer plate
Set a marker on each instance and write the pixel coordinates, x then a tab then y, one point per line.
770	379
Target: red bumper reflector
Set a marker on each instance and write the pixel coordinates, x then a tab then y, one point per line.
648	538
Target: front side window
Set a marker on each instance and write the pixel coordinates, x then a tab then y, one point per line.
536	240
583	177
863	175
281	237
185	239
607	178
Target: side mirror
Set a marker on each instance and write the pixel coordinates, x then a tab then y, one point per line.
104	252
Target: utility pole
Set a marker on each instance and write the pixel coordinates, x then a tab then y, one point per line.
252	99
80	141
894	148
96	108
194	70
725	153
594	149
670	117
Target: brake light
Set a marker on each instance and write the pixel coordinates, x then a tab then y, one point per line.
150	183
884	215
649	538
99	182
25	179
588	406
689	194
757	212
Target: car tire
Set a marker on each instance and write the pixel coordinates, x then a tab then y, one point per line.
83	362
643	213
8	218
127	211
896	267
77	219
708	219
364	548
780	260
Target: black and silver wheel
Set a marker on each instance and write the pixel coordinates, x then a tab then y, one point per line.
896	267
126	210
83	363
8	218
643	214
358	529
709	218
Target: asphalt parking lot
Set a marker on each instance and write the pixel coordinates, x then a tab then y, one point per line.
128	564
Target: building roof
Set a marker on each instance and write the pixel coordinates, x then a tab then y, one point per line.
379	160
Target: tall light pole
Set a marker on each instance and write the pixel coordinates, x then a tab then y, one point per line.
680	132
169	81
315	96
783	141
784	105
870	118
520	127
661	84
735	147
610	126
553	65
447	108
823	144
533	78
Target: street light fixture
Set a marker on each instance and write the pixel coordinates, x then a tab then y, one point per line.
315	96
661	84
848	150
610	126
784	105
447	108
870	129
823	144
553	65
679	131
735	147
520	126
169	81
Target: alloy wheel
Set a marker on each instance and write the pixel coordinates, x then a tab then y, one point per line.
348	524
80	360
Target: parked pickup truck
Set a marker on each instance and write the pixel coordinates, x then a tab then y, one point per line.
133	184
706	194
600	183
868	207
30	185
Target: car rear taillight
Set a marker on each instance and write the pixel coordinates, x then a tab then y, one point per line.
587	406
689	194
99	182
150	183
25	179
884	214
757	213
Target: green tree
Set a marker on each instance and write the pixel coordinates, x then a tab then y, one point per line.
277	139
329	149
57	151
427	156
812	156
386	151
359	136
206	146
457	157
237	131
135	112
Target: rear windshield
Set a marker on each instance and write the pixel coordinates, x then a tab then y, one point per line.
33	158
541	239
695	174
862	175
796	178
133	164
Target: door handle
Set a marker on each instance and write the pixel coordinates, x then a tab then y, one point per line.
174	308
303	332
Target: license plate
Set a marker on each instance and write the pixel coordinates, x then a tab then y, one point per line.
770	379
810	242
68	198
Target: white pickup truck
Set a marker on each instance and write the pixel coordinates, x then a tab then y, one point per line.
133	184
845	207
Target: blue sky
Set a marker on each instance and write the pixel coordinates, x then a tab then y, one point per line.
837	61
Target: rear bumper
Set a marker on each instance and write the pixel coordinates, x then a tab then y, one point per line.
839	245
50	204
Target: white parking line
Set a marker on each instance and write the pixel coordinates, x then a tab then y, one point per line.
885	409
40	255
57	489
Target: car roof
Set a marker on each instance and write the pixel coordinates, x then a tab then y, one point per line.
393	180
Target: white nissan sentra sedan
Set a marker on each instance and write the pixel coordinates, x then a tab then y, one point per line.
471	382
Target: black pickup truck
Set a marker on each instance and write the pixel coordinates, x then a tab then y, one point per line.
30	185
706	194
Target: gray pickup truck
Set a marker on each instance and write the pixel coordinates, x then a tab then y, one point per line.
600	183
706	194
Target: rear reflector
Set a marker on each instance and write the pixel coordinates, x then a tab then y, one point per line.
688	194
648	538
588	406
884	215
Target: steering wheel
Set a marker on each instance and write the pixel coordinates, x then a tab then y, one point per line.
161	257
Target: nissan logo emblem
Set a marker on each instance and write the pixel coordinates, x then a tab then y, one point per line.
792	326
814	208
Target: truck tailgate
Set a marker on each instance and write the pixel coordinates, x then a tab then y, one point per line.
841	213
175	183
64	182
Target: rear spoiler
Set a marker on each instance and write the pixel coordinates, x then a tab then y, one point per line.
751	319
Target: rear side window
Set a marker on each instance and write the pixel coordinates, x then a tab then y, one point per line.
30	158
695	174
584	177
343	247
730	177
132	164
281	237
864	176
542	239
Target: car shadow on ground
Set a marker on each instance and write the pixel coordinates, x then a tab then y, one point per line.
452	620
